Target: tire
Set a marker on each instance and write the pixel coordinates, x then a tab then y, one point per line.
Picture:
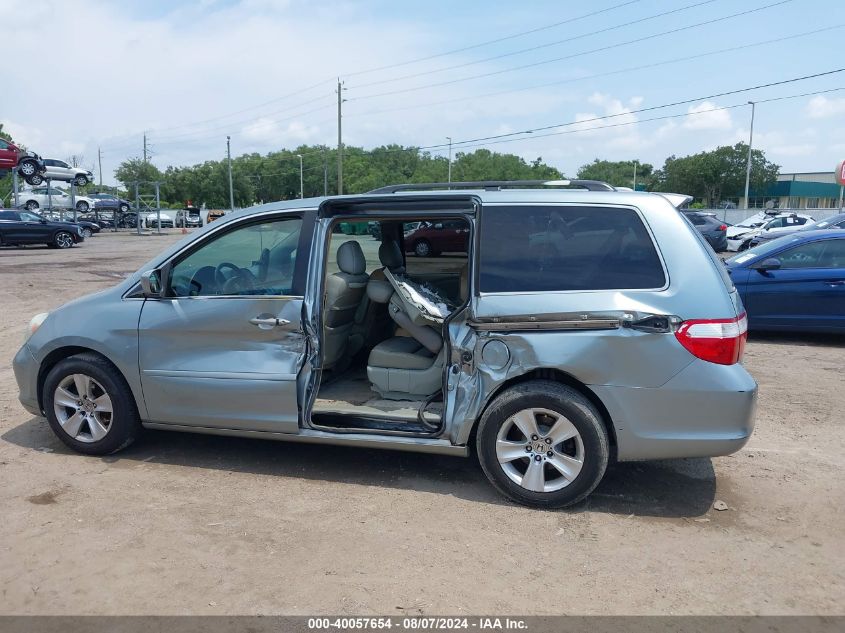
422	248
86	232
124	208
80	180
28	168
63	239
743	247
35	180
82	206
546	403
95	432
31	205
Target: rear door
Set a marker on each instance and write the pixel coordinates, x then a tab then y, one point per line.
8	156
11	227
224	347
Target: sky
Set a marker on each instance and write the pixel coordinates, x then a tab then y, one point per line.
189	73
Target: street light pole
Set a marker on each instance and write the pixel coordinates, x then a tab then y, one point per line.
635	175
449	138
231	191
748	166
300	177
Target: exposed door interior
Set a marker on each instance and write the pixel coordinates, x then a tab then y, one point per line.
391	285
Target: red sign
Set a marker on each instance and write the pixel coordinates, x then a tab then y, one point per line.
840	173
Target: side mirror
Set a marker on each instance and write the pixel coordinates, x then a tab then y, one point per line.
151	283
770	263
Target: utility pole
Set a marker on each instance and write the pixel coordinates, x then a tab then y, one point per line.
325	174
635	175
301	193
229	159
339	138
449	178
748	166
145	147
100	162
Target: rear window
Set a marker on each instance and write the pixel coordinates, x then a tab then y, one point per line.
542	249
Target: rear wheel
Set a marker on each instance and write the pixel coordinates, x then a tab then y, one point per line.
34	180
82	206
27	168
124	208
31	205
86	232
543	444
422	248
89	405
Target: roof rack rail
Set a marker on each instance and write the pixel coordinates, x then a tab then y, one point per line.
495	185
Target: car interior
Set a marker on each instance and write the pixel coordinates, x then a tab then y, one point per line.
384	311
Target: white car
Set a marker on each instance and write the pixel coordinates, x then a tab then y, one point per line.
60	170
740	235
150	219
44	198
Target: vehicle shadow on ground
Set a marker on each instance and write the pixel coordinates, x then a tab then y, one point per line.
667	489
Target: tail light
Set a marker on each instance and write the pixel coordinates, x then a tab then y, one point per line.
720	341
723	227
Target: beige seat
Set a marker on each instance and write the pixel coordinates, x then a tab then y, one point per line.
372	324
344	291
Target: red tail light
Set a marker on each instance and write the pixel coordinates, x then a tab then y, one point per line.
720	341
724	227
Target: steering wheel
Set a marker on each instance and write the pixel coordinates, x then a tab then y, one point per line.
220	278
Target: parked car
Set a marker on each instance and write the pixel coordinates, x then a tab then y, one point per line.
88	228
796	282
105	219
214	214
19	227
188	217
626	339
152	220
128	220
109	202
740	240
27	163
835	222
429	239
59	170
46	197
713	229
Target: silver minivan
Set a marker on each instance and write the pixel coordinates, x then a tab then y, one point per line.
574	325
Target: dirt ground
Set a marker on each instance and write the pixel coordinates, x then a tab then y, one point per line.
189	524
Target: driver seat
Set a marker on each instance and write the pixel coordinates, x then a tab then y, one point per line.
344	290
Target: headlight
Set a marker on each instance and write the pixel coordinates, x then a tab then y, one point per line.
35	323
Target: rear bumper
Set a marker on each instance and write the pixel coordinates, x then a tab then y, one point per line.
704	411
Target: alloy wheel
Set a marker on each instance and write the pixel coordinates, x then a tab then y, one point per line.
83	408
540	450
64	240
27	169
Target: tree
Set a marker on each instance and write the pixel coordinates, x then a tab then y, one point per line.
618	173
138	170
5	135
710	175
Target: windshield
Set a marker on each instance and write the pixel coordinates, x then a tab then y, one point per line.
763	249
823	224
750	225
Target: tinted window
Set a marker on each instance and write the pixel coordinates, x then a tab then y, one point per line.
8	215
3	144
530	249
256	259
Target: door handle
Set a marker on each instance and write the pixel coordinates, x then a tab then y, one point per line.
268	321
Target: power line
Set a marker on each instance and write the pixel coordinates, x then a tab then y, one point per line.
475	97
540	46
488	42
570	56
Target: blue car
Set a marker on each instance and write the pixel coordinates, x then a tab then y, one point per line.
794	283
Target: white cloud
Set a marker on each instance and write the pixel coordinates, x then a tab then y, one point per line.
820	107
704	116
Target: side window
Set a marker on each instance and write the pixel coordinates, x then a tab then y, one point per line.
804	256
834	254
537	249
9	215
3	144
361	232
253	259
49	162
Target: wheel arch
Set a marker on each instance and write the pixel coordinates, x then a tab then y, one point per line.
59	354
558	376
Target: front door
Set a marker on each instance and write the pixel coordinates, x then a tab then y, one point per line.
8	156
224	345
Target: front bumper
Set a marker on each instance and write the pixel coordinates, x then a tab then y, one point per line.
704	411
26	374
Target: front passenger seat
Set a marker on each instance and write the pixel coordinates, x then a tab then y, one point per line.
344	291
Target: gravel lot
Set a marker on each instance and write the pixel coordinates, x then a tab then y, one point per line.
188	524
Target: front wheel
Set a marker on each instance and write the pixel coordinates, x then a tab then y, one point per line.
86	232
63	239
422	248
89	405
35	180
27	168
124	208
31	205
82	206
543	444
80	180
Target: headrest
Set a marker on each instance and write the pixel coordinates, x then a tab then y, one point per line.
350	258
390	255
